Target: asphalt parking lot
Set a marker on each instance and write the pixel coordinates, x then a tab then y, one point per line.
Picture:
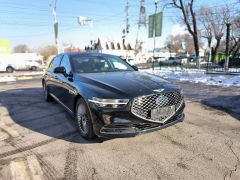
39	140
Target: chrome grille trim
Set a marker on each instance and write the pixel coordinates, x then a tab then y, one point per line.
142	105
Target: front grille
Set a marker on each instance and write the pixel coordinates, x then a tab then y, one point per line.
143	105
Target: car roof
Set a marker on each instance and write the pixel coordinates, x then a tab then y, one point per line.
85	54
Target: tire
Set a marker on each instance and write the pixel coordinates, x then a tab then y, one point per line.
84	120
9	69
174	63
33	68
46	94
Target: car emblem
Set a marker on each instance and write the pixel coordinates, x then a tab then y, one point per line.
158	90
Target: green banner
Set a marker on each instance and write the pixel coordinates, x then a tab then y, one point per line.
150	26
56	31
158	18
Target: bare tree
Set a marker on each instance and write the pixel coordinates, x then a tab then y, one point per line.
206	29
173	43
180	43
186	8
47	51
213	23
235	36
21	48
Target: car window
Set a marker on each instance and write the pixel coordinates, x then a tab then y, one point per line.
55	62
66	63
92	64
118	64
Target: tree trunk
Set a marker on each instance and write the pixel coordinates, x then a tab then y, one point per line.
215	50
209	42
196	46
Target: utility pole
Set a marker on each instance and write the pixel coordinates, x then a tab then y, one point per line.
227	47
127	17
54	12
154	33
126	30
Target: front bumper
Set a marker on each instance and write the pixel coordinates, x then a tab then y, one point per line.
131	130
106	123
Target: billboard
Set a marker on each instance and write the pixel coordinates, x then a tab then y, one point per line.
5	47
158	18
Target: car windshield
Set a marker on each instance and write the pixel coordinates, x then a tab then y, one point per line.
95	64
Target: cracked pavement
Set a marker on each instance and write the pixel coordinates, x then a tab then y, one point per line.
39	140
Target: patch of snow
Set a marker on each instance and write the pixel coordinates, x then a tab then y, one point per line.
7	79
195	76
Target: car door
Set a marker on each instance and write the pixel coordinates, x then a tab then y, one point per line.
67	91
52	79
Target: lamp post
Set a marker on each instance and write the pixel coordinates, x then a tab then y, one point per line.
154	33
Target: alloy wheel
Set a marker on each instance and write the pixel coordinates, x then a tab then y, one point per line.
83	119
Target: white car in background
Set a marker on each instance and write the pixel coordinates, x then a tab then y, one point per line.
10	66
173	61
32	65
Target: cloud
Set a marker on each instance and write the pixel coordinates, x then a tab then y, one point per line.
178	29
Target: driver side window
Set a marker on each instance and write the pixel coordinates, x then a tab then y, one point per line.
66	63
55	63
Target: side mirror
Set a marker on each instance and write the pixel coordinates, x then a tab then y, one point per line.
60	70
135	68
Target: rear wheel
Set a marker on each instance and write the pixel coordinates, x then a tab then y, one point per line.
33	68
84	120
47	96
9	69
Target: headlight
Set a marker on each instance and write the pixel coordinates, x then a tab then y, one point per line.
110	103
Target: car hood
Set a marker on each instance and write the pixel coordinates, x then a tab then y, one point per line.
123	84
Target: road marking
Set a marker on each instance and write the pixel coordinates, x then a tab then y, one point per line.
8	130
26	169
35	168
18	170
24	78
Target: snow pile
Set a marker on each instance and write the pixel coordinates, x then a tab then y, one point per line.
195	76
7	79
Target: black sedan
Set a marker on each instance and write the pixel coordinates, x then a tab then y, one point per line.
110	98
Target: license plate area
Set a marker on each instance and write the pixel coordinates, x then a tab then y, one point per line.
161	114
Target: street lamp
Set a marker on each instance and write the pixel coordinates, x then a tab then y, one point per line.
154	32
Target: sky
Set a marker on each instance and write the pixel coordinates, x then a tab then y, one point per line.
31	22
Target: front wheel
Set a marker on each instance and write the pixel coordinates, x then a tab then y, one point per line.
84	120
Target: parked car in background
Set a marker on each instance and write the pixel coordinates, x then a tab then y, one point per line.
20	61
172	61
192	60
156	59
32	65
10	66
110	98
